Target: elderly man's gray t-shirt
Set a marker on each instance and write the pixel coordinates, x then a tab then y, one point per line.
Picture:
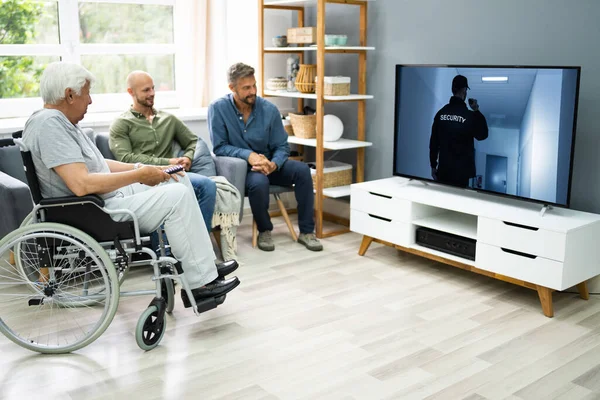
53	141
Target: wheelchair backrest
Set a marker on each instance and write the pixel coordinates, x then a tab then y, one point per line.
32	179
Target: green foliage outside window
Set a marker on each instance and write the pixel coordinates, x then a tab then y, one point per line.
19	76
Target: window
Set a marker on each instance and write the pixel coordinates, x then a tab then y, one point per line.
109	37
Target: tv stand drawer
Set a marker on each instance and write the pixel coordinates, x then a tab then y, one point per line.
382	228
519	265
381	204
526	239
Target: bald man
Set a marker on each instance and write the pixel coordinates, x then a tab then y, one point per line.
144	135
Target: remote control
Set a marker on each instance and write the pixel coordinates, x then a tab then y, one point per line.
174	169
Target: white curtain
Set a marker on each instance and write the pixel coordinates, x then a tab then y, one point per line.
225	32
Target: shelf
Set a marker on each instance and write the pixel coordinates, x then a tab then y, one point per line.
298	95
295	3
341	144
443	255
314	48
336	192
452	222
354	48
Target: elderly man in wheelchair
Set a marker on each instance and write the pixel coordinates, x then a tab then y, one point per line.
61	271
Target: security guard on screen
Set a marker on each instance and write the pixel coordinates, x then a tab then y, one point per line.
451	148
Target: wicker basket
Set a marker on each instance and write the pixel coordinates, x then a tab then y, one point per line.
305	81
287	125
335	173
304	126
278	83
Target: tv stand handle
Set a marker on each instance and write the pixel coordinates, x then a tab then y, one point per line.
381	218
380	195
518	253
531	228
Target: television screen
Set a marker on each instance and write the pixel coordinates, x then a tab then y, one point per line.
508	130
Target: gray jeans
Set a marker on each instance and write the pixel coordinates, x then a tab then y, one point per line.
173	204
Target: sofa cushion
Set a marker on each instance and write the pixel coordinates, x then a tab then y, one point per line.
203	162
102	143
11	162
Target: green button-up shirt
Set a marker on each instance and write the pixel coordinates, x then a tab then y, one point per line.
134	139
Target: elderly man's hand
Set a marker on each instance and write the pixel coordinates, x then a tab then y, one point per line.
152	176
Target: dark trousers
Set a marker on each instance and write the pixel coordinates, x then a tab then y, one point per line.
291	173
453	178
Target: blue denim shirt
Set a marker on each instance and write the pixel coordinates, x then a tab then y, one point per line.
263	133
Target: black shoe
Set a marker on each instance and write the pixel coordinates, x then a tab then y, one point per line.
216	288
227	267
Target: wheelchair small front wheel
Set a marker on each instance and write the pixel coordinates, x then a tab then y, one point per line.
167	289
149	331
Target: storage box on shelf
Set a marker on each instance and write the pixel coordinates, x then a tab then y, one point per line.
304	35
337	85
335	174
514	242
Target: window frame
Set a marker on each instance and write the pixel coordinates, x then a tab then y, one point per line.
71	49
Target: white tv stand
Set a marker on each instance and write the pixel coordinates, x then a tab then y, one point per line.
516	242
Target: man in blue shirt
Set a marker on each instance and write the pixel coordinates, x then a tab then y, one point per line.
246	126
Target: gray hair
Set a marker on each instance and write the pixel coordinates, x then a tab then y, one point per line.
60	76
239	71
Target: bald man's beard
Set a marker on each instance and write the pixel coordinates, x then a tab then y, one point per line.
146	102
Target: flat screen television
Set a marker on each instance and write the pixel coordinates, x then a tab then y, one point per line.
518	143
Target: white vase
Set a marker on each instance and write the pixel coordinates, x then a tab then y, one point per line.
333	128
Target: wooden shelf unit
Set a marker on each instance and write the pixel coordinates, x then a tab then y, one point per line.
360	98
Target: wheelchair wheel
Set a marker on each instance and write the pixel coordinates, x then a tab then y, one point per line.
149	331
27	220
19	263
63	295
167	289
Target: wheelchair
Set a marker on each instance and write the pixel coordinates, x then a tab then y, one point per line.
61	274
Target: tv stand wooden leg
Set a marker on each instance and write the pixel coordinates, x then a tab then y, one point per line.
545	295
364	246
583	291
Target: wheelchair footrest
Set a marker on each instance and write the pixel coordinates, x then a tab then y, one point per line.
209	304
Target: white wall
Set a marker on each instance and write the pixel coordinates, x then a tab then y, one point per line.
500	142
513	32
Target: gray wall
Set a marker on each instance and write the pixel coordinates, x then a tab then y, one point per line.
532	32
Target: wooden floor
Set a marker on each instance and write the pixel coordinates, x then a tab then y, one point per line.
333	325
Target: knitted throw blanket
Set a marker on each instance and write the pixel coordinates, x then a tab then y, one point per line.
227	216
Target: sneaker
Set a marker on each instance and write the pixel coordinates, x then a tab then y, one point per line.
310	241
265	241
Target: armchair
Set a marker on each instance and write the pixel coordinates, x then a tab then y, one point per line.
15	196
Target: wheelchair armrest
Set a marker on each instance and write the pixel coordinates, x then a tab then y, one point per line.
67	200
